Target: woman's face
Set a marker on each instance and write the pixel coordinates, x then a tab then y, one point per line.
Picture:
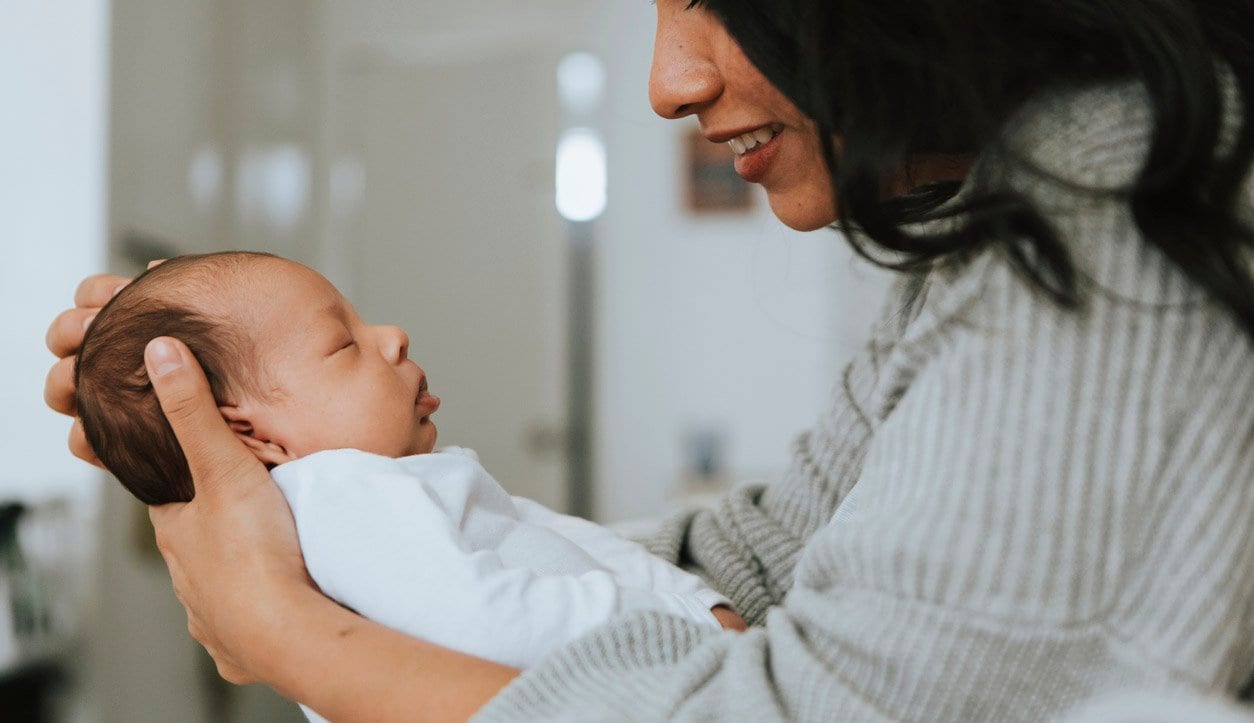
699	69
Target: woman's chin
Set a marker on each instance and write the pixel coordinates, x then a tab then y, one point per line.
802	214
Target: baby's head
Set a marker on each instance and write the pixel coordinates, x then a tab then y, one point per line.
293	368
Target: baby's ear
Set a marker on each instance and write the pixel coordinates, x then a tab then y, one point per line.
270	453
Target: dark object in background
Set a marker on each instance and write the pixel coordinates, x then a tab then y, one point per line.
28	685
26	695
28	611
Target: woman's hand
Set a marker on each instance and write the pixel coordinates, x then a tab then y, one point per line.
65	336
237	568
729	619
232	551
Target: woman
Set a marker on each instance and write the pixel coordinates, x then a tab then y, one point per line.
1034	485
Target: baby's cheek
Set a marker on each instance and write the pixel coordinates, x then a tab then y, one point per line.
396	433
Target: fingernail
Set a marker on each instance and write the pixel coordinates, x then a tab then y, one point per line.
162	357
119	289
87	322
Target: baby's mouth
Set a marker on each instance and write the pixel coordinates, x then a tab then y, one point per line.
427	403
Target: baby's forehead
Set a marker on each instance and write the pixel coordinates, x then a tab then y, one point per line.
248	293
268	304
269	275
271	297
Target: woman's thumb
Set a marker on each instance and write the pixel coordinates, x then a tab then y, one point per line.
213	453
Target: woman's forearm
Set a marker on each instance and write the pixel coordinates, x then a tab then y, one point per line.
349	669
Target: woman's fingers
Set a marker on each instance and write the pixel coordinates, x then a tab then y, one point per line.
729	619
95	291
65	333
59	386
80	447
215	457
64	337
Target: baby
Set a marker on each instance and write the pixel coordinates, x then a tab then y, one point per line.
421	541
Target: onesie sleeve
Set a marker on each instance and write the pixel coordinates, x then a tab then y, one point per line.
629	561
376	540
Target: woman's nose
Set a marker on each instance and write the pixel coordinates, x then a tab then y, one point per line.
393	343
683	77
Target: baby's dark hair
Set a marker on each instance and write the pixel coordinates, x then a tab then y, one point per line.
121	415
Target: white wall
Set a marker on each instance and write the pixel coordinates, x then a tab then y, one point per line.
731	322
53	96
52	220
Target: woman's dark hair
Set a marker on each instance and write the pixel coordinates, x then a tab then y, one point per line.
896	79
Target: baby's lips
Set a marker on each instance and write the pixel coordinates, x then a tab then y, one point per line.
428	403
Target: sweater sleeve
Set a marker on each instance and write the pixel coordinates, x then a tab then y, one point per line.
748	545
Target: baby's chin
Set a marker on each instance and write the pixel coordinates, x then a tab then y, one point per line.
425	438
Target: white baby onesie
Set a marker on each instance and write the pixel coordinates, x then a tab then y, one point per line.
431	545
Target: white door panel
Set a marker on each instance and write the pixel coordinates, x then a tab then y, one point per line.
459	244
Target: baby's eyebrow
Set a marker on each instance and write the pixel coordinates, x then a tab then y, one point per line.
336	310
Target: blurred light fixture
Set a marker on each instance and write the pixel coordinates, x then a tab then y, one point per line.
204	178
580	82
273	185
580	175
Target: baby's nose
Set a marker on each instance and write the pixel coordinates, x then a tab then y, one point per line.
396	343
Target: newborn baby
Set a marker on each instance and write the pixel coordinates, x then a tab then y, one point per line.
424	542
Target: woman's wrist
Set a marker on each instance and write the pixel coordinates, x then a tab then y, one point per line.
291	614
291	638
348	668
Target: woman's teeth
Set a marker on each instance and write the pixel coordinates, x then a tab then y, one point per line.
743	144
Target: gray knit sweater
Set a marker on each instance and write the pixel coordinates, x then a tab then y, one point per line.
1009	509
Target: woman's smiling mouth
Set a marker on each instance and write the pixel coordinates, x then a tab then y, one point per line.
754	149
755	161
747	142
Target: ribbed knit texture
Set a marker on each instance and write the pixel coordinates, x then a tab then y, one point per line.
1009	509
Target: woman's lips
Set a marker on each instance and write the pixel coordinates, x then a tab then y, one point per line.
753	165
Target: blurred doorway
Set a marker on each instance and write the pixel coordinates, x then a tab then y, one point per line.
455	238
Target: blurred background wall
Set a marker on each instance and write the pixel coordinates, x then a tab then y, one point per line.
408	151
